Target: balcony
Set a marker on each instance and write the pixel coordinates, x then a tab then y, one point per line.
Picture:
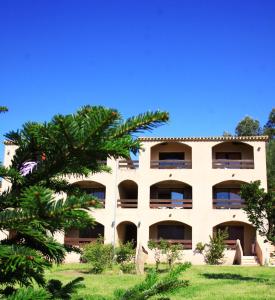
94	189
171	156
128	194
81	237
127	203
171	164
173	232
187	244
226	195
232	155
78	242
128	164
228	204
171	194
232	164
171	203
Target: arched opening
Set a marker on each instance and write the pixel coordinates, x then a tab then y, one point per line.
244	232
79	237
173	231
171	194
127	232
226	195
232	155
171	155
128	194
93	188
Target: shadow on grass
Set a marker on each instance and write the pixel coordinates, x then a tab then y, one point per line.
231	276
160	271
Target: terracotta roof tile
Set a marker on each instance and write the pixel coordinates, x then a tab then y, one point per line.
205	139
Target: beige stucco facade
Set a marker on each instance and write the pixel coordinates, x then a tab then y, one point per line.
192	219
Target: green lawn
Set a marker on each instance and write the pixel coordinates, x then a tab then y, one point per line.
206	282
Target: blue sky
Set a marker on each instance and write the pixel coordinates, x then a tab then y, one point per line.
209	63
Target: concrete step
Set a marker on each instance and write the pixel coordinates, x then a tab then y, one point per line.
272	261
250	261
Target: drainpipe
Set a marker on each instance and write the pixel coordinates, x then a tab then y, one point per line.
115	206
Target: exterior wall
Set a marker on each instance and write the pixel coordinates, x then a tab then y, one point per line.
202	218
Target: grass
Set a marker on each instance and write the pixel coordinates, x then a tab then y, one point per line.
206	282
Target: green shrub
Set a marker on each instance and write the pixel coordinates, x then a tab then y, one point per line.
215	249
99	255
125	252
30	293
127	267
200	247
125	255
154	246
171	251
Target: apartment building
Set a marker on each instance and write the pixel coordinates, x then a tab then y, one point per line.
180	189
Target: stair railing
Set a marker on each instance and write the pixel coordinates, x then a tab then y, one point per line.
259	253
239	253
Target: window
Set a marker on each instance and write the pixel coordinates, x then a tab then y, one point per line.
227	193
171	193
229	155
92	232
96	192
171	156
171	232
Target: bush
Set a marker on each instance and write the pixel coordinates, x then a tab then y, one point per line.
171	251
124	256
128	267
200	247
215	249
99	255
154	246
29	293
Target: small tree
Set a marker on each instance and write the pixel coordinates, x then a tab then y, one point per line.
154	246
125	255
269	128
215	249
99	255
248	127
172	252
260	209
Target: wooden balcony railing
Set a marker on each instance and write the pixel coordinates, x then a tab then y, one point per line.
228	204
171	164
128	164
127	203
187	244
79	242
170	203
230	244
233	164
